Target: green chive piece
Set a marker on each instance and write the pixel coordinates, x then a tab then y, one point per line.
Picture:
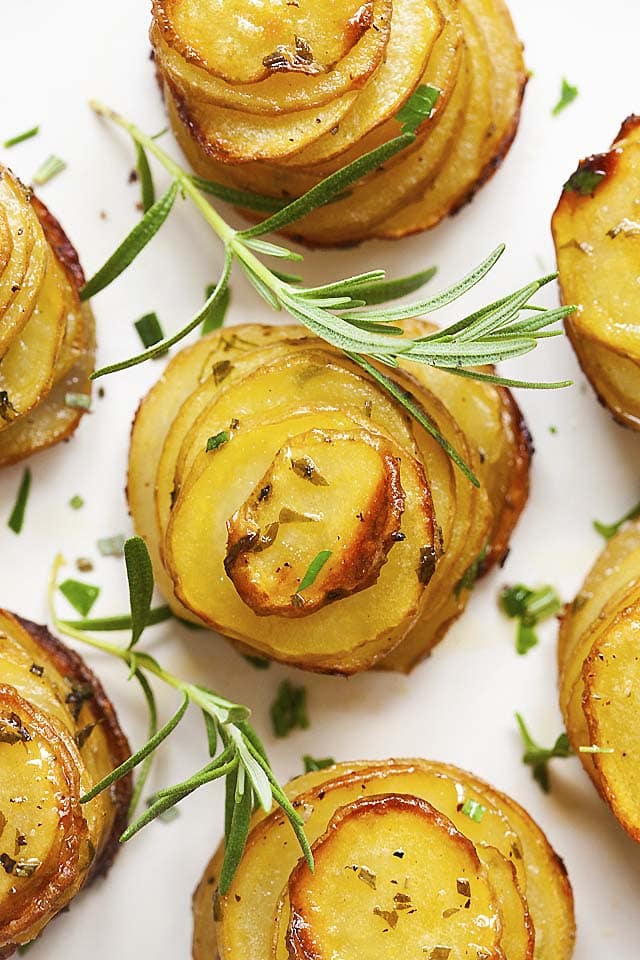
51	167
311	764
538	757
289	709
584	181
609	530
474	810
21	137
82	401
568	94
76	502
149	329
213	443
419	107
216	315
16	520
313	570
111	546
81	596
529	607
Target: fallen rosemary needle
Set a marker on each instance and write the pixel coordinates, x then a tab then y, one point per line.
236	753
345	312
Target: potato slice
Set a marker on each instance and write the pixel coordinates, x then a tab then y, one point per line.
436	901
306	500
596	229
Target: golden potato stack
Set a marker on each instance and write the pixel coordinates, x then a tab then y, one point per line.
596	228
263	448
274	97
47	339
412	858
59	737
599	670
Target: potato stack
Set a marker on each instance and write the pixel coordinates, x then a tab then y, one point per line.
59	737
412	859
600	675
596	228
46	335
272	97
290	503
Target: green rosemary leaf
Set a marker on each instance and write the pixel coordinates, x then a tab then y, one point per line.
236	839
418	108
147	187
287	277
470	354
21	137
149	329
212	733
609	530
510	382
140	579
239	198
346	286
341	333
382	291
272	250
230	800
81	596
133	244
16	519
568	94
218	312
289	709
311	764
124	622
145	769
538	757
51	167
150	747
313	570
263	290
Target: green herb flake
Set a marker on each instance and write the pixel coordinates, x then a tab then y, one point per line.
474	810
313	570
16	520
21	137
553	430
470	577
609	530
149	329
584	181
76	502
538	757
311	764
111	546
217	441
289	710
80	401
216	315
419	107
568	94
51	167
529	607
81	596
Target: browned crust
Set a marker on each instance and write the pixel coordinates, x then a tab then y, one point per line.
64	250
73	667
628	126
213	151
600	163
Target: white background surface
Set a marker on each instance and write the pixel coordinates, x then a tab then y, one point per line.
458	706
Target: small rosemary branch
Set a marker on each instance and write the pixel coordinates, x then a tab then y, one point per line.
235	751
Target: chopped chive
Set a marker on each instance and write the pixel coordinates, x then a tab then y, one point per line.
419	107
51	167
529	607
82	401
289	709
216	315
111	546
608	530
568	94
474	810
76	502
313	570
21	137
81	596
311	764
149	329
16	520
213	443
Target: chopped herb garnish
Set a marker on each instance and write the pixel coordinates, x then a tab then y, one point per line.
51	167
568	94
258	663
584	181
529	607
82	401
21	137
83	735
217	312
76	502
609	530
313	570
81	596
553	429
538	757
470	577
213	443
16	520
112	546
311	764
305	468
419	107
149	329
474	810
289	710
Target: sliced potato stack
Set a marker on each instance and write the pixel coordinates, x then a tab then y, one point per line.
596	228
291	504
46	334
59	736
412	859
275	96
600	675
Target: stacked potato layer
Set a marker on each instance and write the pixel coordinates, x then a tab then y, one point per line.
596	228
274	97
600	675
262	449
58	737
412	858
46	334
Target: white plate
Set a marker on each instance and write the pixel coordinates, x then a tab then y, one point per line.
459	706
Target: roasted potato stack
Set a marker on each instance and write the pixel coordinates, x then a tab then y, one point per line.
276	97
412	858
600	675
596	228
59	736
291	504
46	335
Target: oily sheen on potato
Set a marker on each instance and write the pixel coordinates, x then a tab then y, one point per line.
291	504
328	90
600	675
412	858
596	229
59	736
46	335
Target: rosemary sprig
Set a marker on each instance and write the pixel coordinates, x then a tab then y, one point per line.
235	751
344	312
